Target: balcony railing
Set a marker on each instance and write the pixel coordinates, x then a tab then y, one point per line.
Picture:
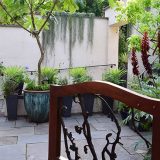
98	88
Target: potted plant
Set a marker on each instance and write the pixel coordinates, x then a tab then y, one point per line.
12	87
32	17
36	97
80	75
67	100
113	75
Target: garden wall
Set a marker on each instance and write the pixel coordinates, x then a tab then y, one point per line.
77	41
72	42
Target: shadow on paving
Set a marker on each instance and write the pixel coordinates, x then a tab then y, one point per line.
29	141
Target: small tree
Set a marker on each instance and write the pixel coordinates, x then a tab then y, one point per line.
33	16
145	18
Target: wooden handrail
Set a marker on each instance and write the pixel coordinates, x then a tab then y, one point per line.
130	98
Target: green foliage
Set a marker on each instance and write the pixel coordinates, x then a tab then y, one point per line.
33	16
111	3
123	46
123	60
147	87
135	42
1	68
49	75
114	75
121	107
62	81
22	11
13	76
92	6
143	14
32	85
79	75
15	73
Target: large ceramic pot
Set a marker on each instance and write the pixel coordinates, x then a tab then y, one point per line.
37	105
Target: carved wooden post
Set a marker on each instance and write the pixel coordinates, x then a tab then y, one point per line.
54	130
156	138
135	100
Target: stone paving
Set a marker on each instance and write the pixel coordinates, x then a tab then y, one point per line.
23	140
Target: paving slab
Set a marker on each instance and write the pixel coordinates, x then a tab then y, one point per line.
13	152
39	151
24	122
41	129
5	124
24	139
133	144
17	131
8	140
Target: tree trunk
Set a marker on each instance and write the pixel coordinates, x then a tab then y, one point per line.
41	57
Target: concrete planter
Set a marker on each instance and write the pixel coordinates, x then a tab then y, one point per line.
37	105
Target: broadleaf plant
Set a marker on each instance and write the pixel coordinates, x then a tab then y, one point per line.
33	16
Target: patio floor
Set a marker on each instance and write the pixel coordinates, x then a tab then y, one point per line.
23	140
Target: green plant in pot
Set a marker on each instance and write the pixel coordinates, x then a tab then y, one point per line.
32	16
37	101
115	76
80	75
67	100
12	86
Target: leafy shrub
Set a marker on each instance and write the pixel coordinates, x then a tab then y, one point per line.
79	75
32	85
13	76
49	75
62	81
114	75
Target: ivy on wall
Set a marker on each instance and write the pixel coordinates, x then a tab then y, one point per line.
62	23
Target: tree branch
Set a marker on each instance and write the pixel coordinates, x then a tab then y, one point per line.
48	16
4	8
40	4
32	15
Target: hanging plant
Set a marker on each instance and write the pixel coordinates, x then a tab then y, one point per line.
58	31
90	28
134	62
144	54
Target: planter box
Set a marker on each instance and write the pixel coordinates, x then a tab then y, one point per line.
11	103
105	108
88	103
67	104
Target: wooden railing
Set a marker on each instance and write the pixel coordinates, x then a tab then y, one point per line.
130	98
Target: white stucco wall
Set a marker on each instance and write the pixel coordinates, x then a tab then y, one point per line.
84	53
17	47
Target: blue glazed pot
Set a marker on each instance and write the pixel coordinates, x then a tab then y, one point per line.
37	105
